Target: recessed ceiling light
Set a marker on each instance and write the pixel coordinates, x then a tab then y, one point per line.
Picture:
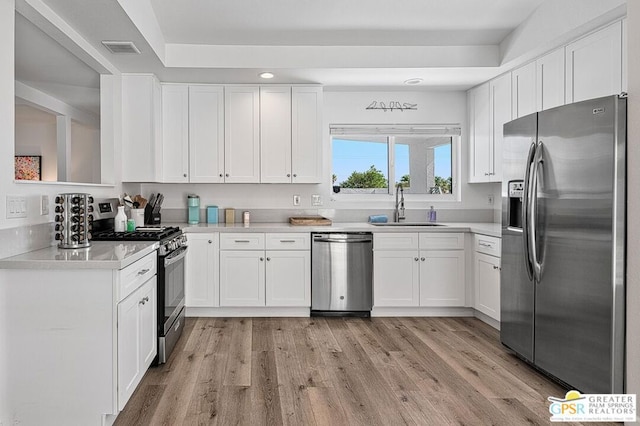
267	75
413	81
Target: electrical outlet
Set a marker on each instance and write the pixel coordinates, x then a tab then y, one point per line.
316	200
44	205
490	199
296	200
16	207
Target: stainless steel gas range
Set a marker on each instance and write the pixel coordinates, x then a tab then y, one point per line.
171	262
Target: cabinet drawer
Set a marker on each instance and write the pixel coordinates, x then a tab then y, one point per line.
288	241
400	241
136	274
441	241
242	241
487	245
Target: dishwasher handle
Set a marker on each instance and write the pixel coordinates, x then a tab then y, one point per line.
343	240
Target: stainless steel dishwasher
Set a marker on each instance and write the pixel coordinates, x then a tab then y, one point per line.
341	274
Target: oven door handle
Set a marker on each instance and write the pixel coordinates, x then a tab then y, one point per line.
175	256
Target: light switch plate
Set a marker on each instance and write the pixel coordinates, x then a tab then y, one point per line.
296	200
44	205
16	207
316	200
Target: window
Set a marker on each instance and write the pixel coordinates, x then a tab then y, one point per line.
375	160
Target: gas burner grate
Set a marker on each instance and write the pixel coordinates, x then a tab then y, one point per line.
168	232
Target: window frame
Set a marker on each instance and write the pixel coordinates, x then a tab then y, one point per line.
391	132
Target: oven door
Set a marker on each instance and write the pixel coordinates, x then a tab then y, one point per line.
172	275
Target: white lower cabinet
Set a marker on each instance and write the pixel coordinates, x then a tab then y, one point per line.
265	270
487	275
137	338
414	273
202	288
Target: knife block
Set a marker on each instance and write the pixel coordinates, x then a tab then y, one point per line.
151	218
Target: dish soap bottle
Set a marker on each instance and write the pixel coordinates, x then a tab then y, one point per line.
431	215
120	220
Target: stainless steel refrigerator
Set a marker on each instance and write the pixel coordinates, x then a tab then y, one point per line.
563	242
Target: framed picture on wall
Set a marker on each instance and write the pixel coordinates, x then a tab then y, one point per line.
28	167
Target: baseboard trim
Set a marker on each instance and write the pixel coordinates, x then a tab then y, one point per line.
247	312
487	319
421	312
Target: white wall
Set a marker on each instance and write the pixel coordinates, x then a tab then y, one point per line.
36	135
436	107
633	200
31	190
85	153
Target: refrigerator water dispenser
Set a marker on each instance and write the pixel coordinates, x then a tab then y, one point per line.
515	204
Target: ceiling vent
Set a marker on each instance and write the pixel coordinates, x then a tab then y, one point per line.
121	47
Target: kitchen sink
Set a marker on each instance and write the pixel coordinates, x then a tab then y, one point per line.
407	224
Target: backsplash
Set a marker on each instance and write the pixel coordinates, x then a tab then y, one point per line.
341	215
25	238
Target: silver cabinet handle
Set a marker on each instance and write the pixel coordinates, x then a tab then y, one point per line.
422	258
288	174
416	259
143	271
185	175
210	241
485	245
262	259
221	175
287	241
295	175
241	241
496	267
268	259
144	300
227	174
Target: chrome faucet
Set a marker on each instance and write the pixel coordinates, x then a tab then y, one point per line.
398	213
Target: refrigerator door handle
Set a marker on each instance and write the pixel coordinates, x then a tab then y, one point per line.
525	211
533	212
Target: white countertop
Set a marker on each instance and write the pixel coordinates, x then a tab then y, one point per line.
492	229
100	255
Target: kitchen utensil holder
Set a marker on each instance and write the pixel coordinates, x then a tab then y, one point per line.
74	220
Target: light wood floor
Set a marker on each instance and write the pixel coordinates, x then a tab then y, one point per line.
340	371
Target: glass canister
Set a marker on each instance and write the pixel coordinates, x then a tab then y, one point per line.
193	204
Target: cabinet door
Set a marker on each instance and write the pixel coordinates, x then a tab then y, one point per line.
175	133
242	134
487	285
550	80
500	114
141	128
594	65
480	136
396	280
275	134
306	132
523	82
288	278
148	324
442	278
129	368
242	278
201	274
206	134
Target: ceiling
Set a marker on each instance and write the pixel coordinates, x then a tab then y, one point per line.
356	44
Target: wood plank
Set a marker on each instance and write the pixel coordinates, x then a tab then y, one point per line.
142	405
326	406
205	405
264	392
238	370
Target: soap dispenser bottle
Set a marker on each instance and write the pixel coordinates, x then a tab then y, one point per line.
431	215
120	221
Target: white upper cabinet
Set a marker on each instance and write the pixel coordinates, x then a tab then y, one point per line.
175	133
594	65
490	108
275	134
479	135
523	91
141	128
242	134
500	114
306	132
206	134
550	80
